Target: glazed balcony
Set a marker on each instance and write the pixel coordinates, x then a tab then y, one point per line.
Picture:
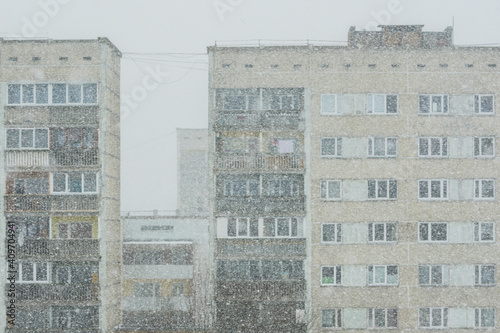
45	158
264	204
292	290
262	247
51	203
45	292
289	162
258	120
59	249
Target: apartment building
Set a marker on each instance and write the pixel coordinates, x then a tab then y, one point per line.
60	185
398	130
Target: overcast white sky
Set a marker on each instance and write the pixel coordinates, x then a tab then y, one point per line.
189	26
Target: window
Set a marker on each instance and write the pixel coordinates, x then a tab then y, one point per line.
382	232
146	289
433	232
280	227
284	102
331	276
484	232
331	104
283	146
240	102
31	227
242	227
436	189
27	138
242	145
432	147
32	272
331	232
433	317
382	318
382	189
382	147
75	317
331	147
484	146
331	318
432	275
255	270
484	189
331	190
484	317
382	275
241	188
75	230
31	186
74	138
433	104
283	187
74	182
75	274
484	275
177	289
483	104
382	104
56	93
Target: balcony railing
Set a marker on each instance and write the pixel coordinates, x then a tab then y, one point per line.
265	119
27	159
57	249
48	203
74	157
268	247
261	290
158	319
53	330
56	292
53	115
260	204
260	162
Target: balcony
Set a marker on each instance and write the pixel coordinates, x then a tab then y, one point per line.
74	157
53	330
51	203
256	120
38	292
159	320
262	290
26	158
261	205
59	249
51	115
260	162
267	247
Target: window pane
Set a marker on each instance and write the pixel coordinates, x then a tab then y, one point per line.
436	275
423	147
75	137
28	93
487	231
231	227
27	136
487	317
328	275
242	227
444	147
327	147
371	189
423	274
294	227
487	274
435	146
328	103
382	189
12	138
59	138
424	317
392	274
392	103
74	93
486	103
41	138
487	146
379	272
27	271
90	182
392	317
81	230
379	145
42	93
391	232
329	233
14	92
379	317
435	189
438	232
283	227
423	189
334	190
424	103
269	227
391	146
41	271
59	93
379	232
59	182
437	104
424	231
90	93
234	102
436	317
240	188
487	189
379	103
393	189
75	182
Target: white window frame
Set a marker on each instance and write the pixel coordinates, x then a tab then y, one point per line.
294	101
377	185
294	189
429	232
478	143
338	233
444	317
372	225
34	138
245	220
337	322
442	142
247	102
445	104
444	275
443	184
290	227
325	184
371	147
371	274
371	318
478	275
478	231
231	194
478	189
50	85
337	98
478	317
338	147
34	263
370	100
477	106
67	192
337	276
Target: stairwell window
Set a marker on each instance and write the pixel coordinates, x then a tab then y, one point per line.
382	232
331	276
331	147
331	190
331	232
433	317
432	275
382	318
433	232
433	104
382	103
484	104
